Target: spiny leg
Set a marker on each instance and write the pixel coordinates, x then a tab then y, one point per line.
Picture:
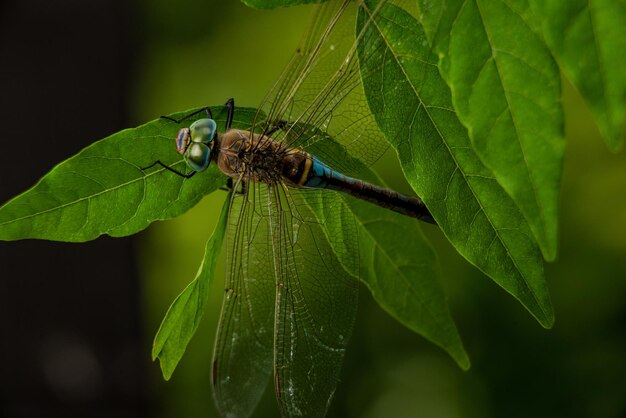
173	170
230	107
204	109
229	185
281	124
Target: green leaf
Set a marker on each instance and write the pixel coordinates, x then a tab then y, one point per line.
413	107
588	39
102	189
273	4
184	315
402	275
506	89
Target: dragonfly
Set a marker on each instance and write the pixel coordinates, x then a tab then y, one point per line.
290	299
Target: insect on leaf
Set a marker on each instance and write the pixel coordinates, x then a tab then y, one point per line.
102	189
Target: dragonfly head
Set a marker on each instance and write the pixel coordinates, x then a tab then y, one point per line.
196	143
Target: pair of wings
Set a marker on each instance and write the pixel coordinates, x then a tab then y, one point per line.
289	303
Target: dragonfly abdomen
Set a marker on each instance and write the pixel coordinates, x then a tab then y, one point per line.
319	175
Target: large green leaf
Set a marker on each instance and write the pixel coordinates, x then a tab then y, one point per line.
185	313
403	275
413	107
588	39
102	189
506	89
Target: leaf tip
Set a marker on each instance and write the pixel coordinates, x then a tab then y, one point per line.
155	353
548	321
549	251
457	352
544	315
166	371
614	140
462	359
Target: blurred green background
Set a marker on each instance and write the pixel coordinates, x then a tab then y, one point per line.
202	52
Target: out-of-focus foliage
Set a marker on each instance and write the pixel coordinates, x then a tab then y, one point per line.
104	189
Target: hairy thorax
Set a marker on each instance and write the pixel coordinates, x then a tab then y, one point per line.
253	157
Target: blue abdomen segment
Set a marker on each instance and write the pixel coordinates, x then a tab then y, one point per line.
322	176
321	173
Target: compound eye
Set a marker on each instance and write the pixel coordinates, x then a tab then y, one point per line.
182	140
198	156
203	130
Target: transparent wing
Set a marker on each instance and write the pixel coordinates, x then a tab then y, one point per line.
284	274
321	89
243	354
289	305
316	302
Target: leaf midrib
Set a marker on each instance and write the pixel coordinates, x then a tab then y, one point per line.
528	171
88	198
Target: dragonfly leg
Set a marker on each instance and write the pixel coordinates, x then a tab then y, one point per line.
281	124
230	107
229	185
173	170
204	109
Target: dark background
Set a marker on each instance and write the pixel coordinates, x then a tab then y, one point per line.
77	320
71	339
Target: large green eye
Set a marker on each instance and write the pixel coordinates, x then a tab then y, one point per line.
203	130
198	156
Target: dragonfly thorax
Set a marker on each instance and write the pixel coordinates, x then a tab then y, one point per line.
258	158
